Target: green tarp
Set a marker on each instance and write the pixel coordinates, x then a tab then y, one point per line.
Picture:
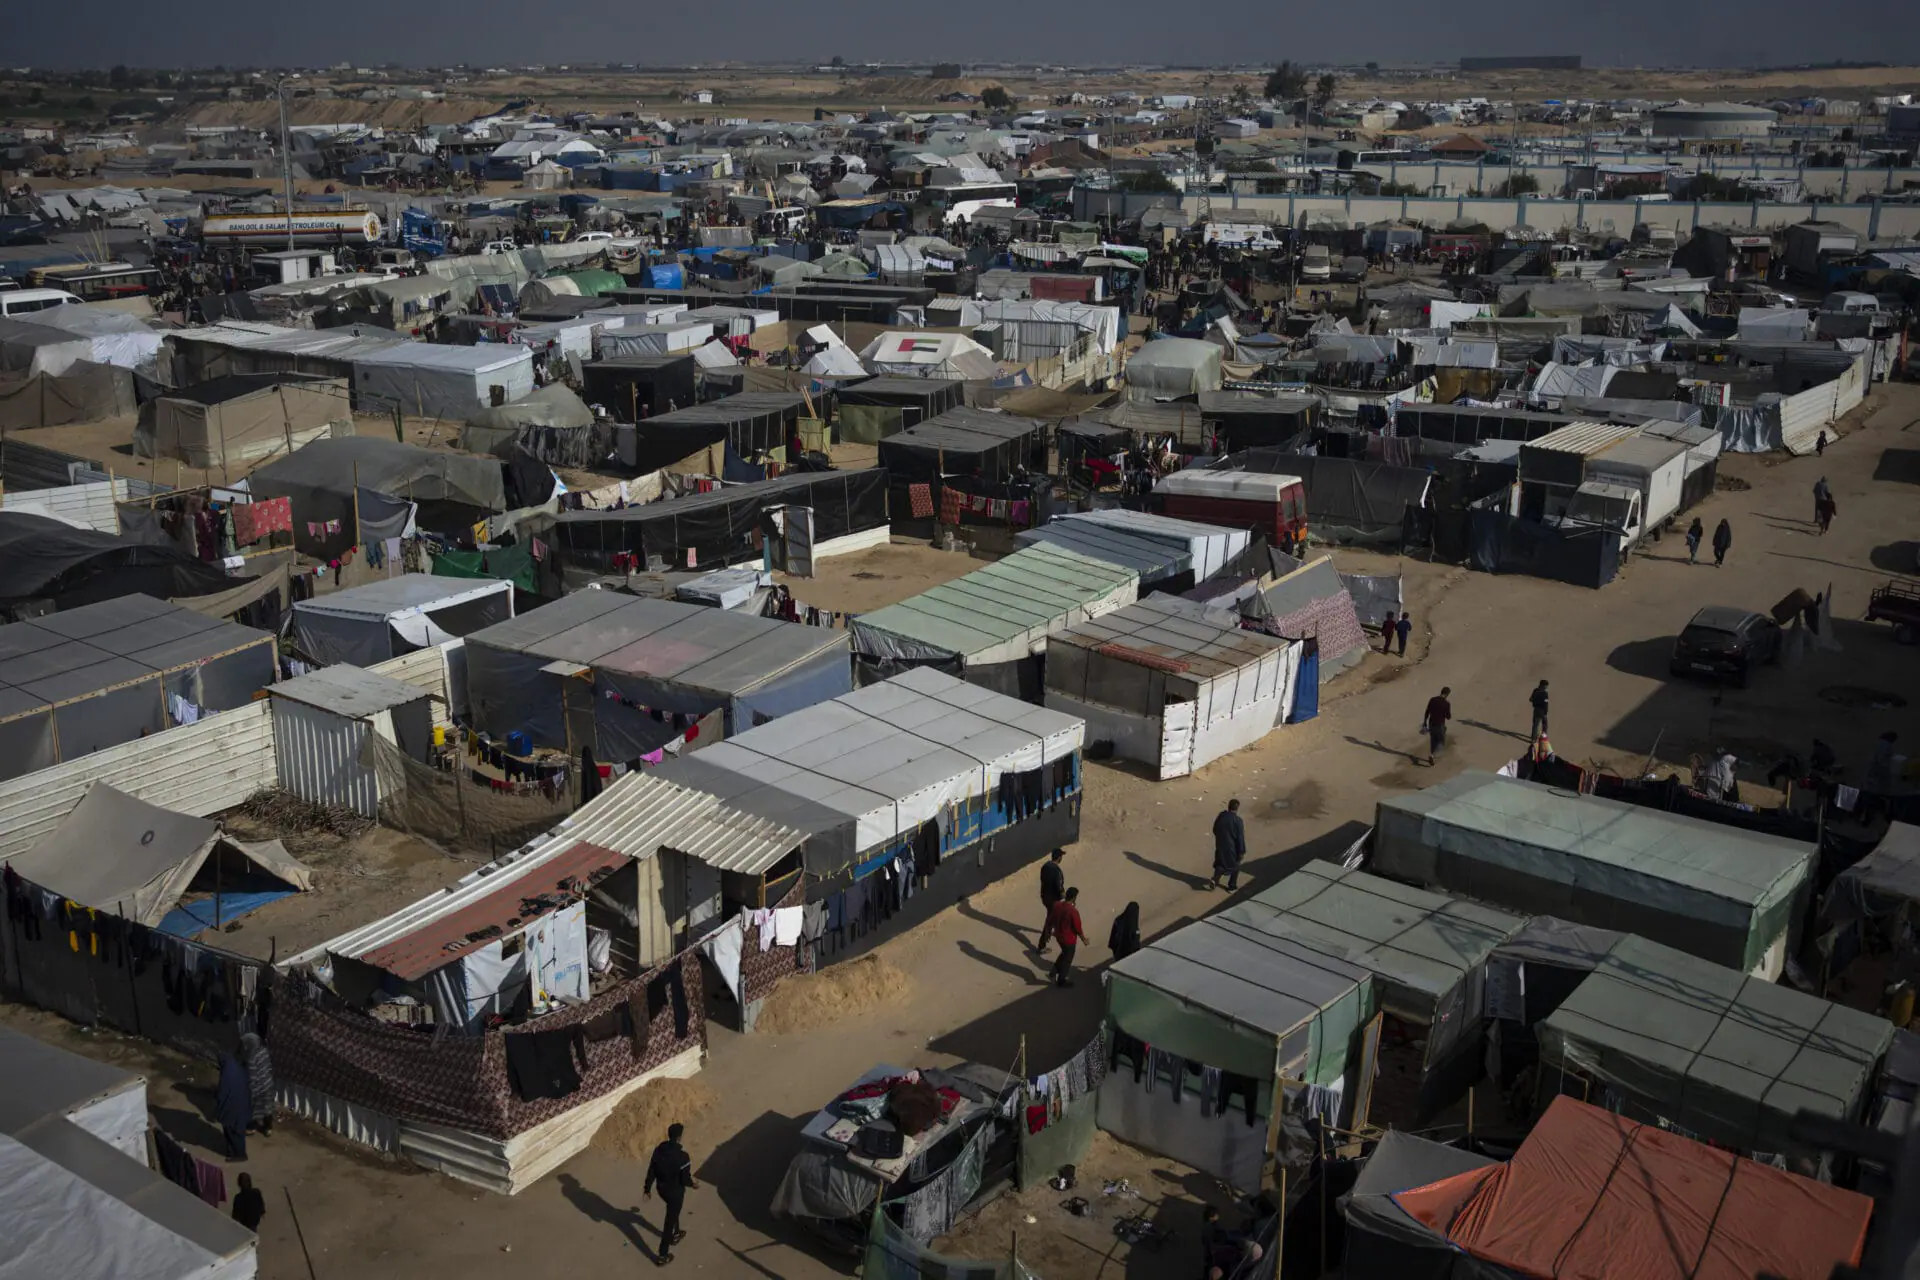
512	564
1063	1141
1722	1054
869	423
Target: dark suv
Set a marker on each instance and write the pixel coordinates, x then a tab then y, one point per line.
1724	641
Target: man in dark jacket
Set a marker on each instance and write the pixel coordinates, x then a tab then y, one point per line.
671	1170
249	1206
1053	887
1538	699
1434	723
1229	846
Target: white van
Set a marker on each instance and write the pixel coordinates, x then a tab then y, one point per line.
17	302
1316	263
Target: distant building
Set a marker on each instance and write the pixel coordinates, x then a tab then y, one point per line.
1462	146
1712	120
1523	62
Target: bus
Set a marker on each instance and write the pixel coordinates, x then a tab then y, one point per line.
958	205
97	281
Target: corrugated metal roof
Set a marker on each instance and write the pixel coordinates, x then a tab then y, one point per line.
414	954
1584	438
640	814
348	691
1157	627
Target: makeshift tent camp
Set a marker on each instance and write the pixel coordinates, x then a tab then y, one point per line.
106	335
231	423
729	524
1594	1194
451	490
383	619
632	388
643	671
74	682
975	444
1353	501
750	423
929	355
1160	565
1255	419
553	425
1311	603
1720	1053
1173	369
917	399
1165	687
321	725
992	624
437	381
1731	896
82	392
1529	976
118	854
880	771
76	1196
1384	1241
1425	951
43	559
1235	995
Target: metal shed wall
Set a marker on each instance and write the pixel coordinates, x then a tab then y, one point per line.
319	756
426	670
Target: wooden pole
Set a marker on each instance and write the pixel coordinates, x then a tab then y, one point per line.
356	504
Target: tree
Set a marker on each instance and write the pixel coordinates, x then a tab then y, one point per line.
1323	90
995	98
946	71
837	61
1144	180
1241	99
1287	82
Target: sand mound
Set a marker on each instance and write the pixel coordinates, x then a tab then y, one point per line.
811	1001
639	1123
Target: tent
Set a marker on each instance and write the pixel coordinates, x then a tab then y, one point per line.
751	422
644	671
43	559
1426	952
982	445
109	336
664	338
1881	885
1159	564
388	617
119	854
632	388
929	355
868	771
1173	369
1350	500
452	490
435	381
74	682
233	422
1209	547
1234	994
553	424
1311	603
1254	419
1168	688
994	622
1726	895
917	399
1720	1053
82	392
1595	1195
76	1196
1384	1241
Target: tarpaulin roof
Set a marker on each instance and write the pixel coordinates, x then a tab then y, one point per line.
120	854
1170	368
1712	889
1353	494
963	441
1728	1056
1595	1195
1384	1241
871	766
399	470
1155	561
40	556
1000	613
1892	870
1160	628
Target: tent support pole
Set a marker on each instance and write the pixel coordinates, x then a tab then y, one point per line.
119	909
356	504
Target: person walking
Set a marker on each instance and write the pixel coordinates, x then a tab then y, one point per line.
671	1170
233	1105
1825	512
259	1066
1063	923
1386	633
1695	532
1539	700
1229	846
1403	629
1820	445
1434	723
1821	494
249	1206
1053	887
1124	938
1722	540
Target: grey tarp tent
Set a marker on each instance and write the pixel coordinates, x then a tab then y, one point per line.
119	854
435	381
1726	895
1233	993
635	671
1173	369
392	616
451	489
1721	1054
1384	1241
74	682
229	424
84	392
1881	883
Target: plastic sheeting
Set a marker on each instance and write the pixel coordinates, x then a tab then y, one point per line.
1172	369
84	392
1374	596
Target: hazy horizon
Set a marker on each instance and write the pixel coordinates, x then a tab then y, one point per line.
1632	33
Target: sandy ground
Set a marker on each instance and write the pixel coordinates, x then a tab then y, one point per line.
976	992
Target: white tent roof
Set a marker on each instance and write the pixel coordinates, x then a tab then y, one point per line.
1241	486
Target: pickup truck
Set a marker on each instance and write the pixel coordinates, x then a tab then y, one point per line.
1899	603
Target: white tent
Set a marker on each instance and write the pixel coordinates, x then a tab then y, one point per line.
384	619
929	355
437	381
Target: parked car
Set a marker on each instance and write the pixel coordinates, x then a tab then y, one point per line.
1725	641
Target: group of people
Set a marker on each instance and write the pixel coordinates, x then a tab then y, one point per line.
1722	541
1395	627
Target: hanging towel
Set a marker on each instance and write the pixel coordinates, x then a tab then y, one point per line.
786	925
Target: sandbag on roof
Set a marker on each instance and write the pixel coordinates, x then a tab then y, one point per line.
120	854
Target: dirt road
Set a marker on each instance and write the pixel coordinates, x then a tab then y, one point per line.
1305	790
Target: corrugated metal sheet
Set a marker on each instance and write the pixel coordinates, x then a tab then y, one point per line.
84	506
641	814
200	769
426	670
1583	438
319	757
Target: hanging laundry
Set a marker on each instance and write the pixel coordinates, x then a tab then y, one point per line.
920	496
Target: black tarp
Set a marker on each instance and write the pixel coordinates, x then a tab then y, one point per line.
1348	499
724	527
752	422
980	444
1500	543
44	559
917	398
639	387
1470	424
1255	419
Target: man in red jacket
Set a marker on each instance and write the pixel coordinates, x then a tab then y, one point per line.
1063	925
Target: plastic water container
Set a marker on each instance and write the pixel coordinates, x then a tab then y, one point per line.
519	744
439	735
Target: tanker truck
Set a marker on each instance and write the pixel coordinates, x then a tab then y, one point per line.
348	226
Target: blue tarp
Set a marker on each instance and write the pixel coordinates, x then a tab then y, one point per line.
667	277
188	919
1306	688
